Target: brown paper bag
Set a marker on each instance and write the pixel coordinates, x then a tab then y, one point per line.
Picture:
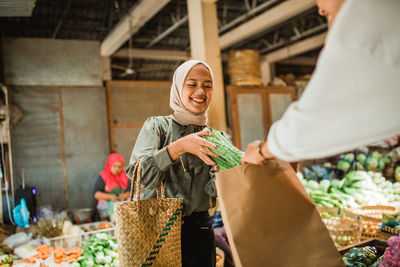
270	219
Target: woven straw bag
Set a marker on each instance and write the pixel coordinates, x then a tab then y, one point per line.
148	231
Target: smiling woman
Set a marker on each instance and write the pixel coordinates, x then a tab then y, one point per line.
197	89
175	153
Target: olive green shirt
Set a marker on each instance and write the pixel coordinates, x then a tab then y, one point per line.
188	177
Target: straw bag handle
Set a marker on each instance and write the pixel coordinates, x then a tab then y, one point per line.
137	171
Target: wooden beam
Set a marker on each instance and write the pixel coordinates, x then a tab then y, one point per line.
152	54
105	63
130	24
305	61
128	125
295	49
265	21
203	29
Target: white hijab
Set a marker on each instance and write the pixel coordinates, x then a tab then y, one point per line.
181	114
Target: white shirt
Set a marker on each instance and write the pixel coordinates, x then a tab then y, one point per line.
353	97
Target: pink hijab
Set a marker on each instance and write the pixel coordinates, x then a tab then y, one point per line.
114	181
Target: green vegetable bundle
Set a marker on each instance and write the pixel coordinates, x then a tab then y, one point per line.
391	220
357	188
100	250
6	260
230	155
360	257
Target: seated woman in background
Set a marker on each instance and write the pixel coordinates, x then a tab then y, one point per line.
112	185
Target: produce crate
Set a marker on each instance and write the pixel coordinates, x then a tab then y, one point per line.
371	219
71	241
94	225
378	243
344	229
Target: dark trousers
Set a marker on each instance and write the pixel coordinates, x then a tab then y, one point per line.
198	242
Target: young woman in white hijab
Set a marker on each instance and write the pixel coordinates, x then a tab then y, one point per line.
175	153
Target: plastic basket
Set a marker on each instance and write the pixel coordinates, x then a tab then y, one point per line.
71	241
344	228
371	219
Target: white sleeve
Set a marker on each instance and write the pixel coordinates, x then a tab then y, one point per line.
352	99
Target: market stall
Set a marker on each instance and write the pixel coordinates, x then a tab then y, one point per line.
80	80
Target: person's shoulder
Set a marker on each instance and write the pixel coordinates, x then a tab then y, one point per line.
160	122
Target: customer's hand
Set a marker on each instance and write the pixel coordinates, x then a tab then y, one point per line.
112	197
253	155
123	196
193	144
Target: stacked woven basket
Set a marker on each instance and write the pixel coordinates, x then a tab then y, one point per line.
371	219
244	68
344	228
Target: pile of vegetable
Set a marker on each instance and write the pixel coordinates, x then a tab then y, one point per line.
6	259
100	250
373	161
230	155
391	220
48	228
362	257
357	188
60	255
391	257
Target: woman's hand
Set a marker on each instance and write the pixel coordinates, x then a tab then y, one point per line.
255	155
193	144
105	196
123	196
112	197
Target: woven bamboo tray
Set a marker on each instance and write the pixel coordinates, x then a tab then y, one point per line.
345	229
371	219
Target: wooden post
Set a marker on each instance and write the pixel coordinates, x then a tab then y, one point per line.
204	45
267	71
64	164
105	63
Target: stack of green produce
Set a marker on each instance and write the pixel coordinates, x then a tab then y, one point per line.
374	161
362	257
100	250
6	260
391	220
230	155
357	188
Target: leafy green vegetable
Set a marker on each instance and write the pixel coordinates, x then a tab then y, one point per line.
100	250
360	257
230	155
